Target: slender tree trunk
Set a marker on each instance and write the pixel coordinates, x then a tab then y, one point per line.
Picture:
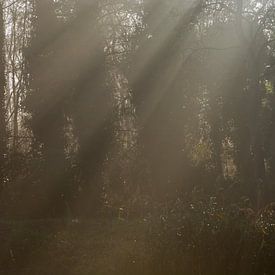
3	137
272	138
14	86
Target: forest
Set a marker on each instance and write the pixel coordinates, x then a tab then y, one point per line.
137	137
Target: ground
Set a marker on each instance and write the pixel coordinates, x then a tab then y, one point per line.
72	247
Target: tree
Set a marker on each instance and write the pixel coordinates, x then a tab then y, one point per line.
3	136
92	108
157	66
45	103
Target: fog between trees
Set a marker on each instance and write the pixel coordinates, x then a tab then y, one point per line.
152	112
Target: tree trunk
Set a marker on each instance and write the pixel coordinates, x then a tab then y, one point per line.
3	137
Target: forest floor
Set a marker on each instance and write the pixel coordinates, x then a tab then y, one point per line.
45	247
